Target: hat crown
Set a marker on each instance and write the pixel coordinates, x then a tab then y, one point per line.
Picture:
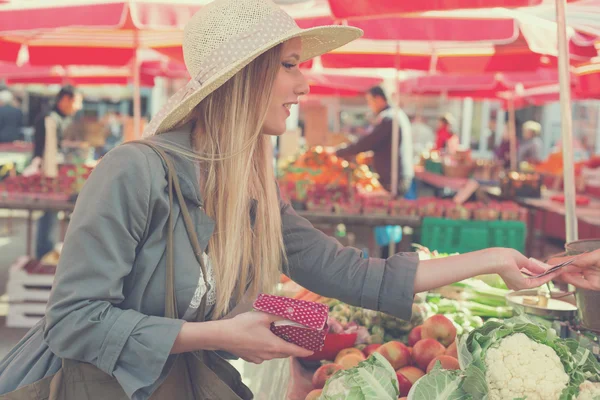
219	21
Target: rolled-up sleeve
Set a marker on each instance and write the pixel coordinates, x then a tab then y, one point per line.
321	264
83	318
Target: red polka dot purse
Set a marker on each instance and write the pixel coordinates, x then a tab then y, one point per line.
305	322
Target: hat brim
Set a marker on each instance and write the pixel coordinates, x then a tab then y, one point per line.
315	42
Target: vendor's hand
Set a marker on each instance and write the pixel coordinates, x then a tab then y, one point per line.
584	273
511	264
34	168
249	337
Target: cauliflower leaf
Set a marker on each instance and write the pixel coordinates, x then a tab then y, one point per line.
439	384
372	379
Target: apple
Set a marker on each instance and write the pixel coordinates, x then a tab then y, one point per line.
415	335
404	384
370	349
426	350
413	374
396	353
345	352
452	350
314	395
446	361
439	328
323	373
351	360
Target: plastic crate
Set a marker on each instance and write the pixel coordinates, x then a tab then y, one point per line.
508	234
434	167
450	236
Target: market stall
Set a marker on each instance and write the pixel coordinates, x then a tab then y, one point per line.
436	351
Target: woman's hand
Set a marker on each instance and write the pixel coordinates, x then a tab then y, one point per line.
584	273
510	265
249	337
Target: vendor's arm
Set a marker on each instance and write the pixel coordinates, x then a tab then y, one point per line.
370	142
324	266
39	138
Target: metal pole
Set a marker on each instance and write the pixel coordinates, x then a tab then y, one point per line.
512	126
395	128
566	123
137	101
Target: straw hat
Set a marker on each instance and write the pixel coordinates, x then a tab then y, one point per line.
225	36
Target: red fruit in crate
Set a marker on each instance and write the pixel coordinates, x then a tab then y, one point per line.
396	353
446	361
345	352
370	349
426	350
440	328
351	360
323	373
413	374
404	384
452	350
415	335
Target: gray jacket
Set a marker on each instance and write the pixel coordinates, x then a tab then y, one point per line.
107	303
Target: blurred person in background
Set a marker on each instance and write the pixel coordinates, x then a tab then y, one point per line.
49	129
11	118
379	141
423	136
531	147
444	132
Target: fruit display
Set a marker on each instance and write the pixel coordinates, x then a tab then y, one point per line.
69	182
405	362
323	181
513	359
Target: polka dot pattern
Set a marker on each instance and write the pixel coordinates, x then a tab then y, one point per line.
312	316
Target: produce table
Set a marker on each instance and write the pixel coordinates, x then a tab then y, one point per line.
16	153
439	181
357	219
549	216
369	221
31	205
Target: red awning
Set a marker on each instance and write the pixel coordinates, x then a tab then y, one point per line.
360	8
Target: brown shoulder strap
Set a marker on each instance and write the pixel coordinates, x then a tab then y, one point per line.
173	182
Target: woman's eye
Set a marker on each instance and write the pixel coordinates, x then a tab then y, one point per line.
288	65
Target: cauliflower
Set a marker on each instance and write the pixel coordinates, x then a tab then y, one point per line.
521	368
589	391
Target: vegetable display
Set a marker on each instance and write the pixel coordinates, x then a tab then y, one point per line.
514	359
372	379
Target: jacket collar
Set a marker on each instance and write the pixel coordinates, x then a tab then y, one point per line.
185	167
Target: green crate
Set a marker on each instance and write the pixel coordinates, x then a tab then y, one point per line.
434	167
451	236
508	234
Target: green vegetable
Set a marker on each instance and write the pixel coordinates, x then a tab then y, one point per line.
372	379
440	384
480	292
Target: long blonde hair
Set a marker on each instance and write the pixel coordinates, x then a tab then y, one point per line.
236	164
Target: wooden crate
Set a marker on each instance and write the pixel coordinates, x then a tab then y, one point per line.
28	290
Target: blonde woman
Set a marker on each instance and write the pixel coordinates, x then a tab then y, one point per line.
107	313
